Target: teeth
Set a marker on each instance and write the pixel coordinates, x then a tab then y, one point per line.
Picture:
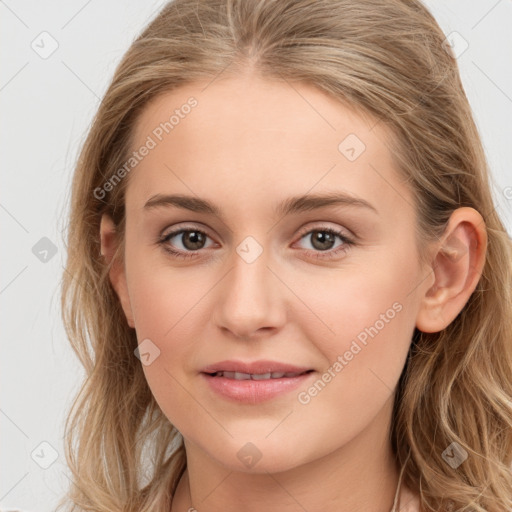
255	376
241	376
261	376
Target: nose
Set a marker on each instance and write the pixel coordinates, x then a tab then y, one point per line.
249	300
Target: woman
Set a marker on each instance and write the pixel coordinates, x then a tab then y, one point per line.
286	277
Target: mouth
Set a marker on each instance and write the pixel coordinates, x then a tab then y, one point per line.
257	376
253	383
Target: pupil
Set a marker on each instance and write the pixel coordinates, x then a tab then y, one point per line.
321	239
194	237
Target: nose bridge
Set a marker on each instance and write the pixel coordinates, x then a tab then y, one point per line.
249	297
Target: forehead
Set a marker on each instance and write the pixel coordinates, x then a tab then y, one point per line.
228	110
243	134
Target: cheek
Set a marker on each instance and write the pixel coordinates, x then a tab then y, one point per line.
166	308
366	319
162	297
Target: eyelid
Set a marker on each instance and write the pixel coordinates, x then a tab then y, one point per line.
185	227
325	227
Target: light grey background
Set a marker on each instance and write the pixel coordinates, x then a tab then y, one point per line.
46	107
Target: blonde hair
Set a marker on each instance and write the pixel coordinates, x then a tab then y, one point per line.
385	58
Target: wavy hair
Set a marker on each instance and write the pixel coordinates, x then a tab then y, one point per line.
385	58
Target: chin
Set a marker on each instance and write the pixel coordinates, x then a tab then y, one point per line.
258	457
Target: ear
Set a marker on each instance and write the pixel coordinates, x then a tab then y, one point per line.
458	262
117	273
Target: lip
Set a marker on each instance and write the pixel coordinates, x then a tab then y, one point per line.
262	366
254	391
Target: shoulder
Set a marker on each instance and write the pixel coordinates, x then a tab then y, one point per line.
409	500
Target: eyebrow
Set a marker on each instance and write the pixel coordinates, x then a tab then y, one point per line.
295	204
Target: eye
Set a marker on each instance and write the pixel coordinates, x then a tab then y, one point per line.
323	240
191	240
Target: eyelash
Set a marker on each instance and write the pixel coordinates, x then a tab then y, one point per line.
332	253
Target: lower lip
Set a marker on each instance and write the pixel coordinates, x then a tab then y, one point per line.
254	391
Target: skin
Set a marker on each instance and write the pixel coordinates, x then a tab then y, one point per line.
248	145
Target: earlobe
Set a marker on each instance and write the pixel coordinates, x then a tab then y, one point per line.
117	274
457	267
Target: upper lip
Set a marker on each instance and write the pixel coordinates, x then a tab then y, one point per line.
254	367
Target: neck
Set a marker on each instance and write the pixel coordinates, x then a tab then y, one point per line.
360	475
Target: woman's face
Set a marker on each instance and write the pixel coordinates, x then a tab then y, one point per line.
329	286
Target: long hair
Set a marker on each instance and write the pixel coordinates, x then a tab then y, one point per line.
386	58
